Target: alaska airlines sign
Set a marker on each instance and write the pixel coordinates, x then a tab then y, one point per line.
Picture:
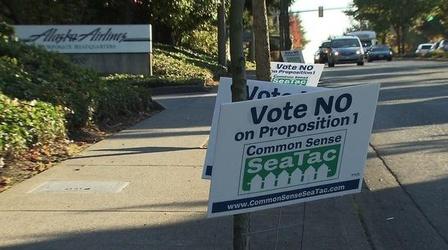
88	38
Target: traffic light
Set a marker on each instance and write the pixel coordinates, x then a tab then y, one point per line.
321	11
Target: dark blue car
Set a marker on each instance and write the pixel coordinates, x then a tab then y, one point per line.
380	52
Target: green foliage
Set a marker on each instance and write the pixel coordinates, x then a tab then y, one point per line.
119	98
148	82
437	54
183	16
173	66
171	19
180	64
25	125
203	40
6	31
382	15
29	73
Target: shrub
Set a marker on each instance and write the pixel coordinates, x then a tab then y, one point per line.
202	40
180	63
119	98
175	67
25	125
152	81
28	73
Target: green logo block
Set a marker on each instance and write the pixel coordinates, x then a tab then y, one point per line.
290	169
290	80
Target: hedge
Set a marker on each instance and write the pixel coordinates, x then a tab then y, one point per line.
29	124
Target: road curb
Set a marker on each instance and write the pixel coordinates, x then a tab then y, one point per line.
421	59
181	89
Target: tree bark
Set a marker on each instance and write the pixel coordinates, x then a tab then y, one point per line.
222	37
398	32
285	40
403	40
240	221
262	52
236	51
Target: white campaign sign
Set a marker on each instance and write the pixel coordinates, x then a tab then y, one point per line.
286	150
296	73
292	56
255	90
88	38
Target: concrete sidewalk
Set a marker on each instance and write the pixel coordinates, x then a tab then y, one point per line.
164	204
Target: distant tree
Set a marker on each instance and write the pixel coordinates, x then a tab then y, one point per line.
400	15
297	32
435	24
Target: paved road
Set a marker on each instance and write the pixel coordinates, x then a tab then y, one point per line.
409	153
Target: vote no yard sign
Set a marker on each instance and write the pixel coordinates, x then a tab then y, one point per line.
286	150
255	90
296	73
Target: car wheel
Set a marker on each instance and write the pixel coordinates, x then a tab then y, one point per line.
331	65
360	63
369	60
389	59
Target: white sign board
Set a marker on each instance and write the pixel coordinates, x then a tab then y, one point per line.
88	38
286	150
292	56
296	73
255	90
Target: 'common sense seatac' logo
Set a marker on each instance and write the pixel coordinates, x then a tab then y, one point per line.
293	162
288	80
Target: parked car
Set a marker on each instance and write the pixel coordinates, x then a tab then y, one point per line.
379	52
345	49
321	55
441	45
423	49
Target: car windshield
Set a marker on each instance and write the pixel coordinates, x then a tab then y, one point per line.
380	49
426	46
366	43
344	43
325	45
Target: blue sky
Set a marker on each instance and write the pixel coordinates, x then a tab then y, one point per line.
334	22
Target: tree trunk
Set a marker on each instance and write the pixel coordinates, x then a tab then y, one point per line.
222	37
398	32
285	40
240	221
262	52
403	40
236	51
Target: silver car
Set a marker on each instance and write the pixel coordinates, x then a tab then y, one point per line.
345	49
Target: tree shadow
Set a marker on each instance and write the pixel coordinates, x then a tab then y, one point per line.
130	151
409	114
405	217
145	134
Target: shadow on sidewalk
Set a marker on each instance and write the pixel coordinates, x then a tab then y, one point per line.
383	219
132	151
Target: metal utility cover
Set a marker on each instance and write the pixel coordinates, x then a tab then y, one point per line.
80	187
